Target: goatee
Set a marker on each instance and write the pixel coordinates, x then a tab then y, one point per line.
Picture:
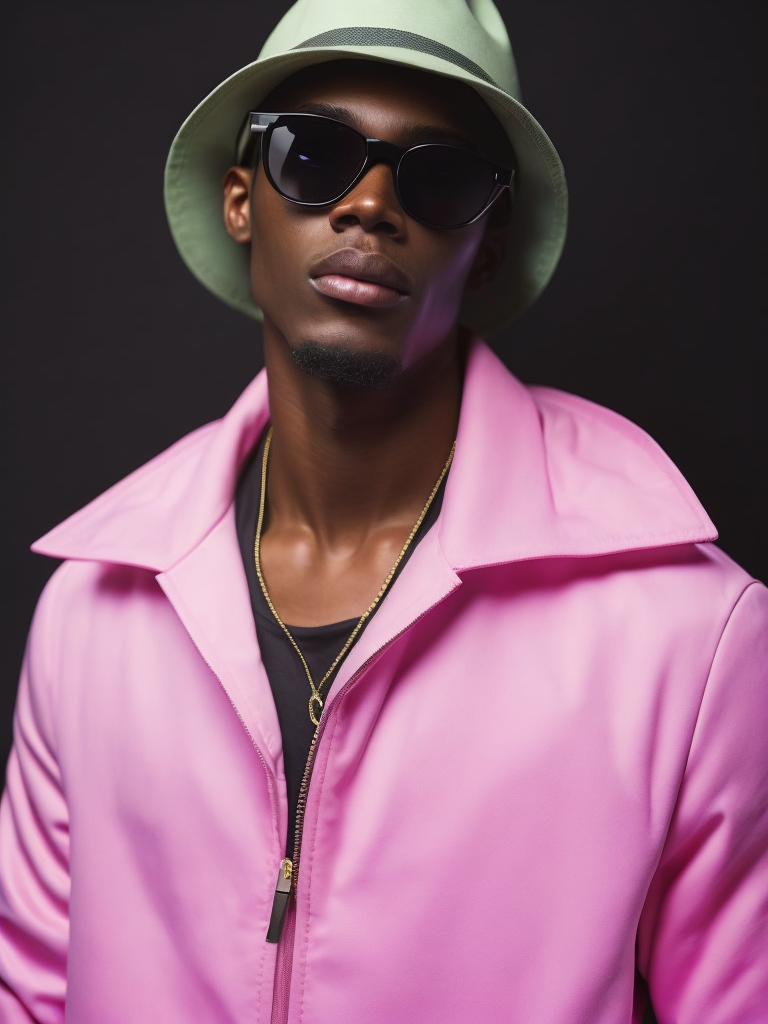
346	367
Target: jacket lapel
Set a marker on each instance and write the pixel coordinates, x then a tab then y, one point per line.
209	592
425	582
539	473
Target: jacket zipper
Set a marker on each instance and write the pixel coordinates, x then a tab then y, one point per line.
288	870
290	867
280	901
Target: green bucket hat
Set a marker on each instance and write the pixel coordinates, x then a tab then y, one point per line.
461	39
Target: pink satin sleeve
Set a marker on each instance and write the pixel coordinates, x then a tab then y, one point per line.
34	854
703	935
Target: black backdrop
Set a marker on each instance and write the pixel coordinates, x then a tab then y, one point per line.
113	350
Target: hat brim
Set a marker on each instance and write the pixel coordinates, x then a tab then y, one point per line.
202	152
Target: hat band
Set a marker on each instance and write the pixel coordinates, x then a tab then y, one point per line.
368	36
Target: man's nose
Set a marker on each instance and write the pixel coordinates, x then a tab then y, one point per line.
372	203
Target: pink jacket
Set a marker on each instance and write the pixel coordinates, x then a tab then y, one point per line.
542	767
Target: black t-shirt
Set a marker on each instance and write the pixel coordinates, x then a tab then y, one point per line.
318	644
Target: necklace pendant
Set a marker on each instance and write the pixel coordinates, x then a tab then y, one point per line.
315	701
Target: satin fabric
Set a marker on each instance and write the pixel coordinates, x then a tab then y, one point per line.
540	782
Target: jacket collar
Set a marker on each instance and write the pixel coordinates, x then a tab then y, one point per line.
537	473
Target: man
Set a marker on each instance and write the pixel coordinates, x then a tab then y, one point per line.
403	693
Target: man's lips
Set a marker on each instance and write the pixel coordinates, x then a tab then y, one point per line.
364	278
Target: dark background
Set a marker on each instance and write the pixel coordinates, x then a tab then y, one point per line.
112	350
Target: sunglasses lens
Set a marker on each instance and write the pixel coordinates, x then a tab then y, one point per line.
313	159
443	185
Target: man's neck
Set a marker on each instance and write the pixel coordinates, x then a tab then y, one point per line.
348	462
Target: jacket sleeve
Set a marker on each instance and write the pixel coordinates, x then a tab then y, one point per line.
703	934
34	852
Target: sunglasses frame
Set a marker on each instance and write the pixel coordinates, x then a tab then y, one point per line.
376	151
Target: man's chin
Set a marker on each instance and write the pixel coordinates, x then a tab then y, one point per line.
346	367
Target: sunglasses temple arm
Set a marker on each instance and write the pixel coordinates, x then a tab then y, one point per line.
255	124
260	122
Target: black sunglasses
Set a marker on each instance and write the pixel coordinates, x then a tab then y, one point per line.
315	160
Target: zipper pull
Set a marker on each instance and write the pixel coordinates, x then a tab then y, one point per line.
280	902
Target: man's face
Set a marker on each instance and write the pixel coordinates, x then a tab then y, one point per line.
311	307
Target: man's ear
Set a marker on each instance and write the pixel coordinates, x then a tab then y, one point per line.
489	258
237	203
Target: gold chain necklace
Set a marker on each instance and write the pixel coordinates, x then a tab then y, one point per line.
316	701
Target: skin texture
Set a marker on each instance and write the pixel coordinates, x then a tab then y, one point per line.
351	466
